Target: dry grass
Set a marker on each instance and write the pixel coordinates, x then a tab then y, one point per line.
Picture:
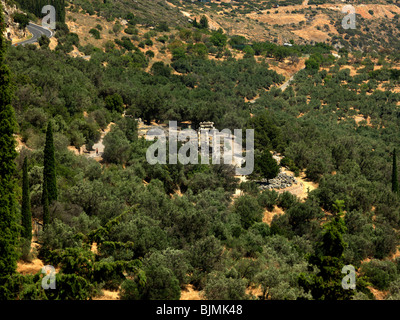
82	23
280	23
30	267
285	68
255	291
353	70
53	43
311	33
396	254
108	295
307	185
20	143
380	11
378	294
74	150
269	215
280	18
360	118
302	187
94	247
21	37
189	293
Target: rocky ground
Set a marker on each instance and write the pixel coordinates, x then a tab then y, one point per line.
281	181
13	32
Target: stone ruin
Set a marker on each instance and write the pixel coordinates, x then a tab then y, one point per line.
206	125
281	181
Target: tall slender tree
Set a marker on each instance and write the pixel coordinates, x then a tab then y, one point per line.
328	257
395	180
49	171
203	22
8	217
45	204
26	215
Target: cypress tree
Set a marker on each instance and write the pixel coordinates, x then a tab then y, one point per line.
26	204
49	171
329	258
203	22
45	204
8	217
395	180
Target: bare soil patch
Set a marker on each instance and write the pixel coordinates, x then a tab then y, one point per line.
108	295
379	295
255	291
189	293
269	215
360	118
30	267
20	143
82	23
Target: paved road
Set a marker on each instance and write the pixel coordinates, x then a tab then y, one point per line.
37	31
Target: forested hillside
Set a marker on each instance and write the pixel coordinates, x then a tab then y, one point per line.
111	223
35	7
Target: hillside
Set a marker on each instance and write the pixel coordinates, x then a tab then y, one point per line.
303	22
323	194
13	31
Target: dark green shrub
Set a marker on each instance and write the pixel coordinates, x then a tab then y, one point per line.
95	33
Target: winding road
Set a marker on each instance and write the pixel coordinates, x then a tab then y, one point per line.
37	31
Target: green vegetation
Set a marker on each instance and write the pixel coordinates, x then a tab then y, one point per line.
95	33
329	259
395	179
21	19
265	166
156	13
159	228
49	171
35	7
44	41
8	206
45	204
26	215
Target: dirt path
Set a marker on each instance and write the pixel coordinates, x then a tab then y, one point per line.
286	84
282	86
239	192
99	146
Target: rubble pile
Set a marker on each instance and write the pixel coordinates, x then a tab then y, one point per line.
281	181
